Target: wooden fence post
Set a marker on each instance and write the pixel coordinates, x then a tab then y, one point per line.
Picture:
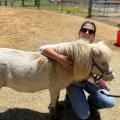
90	8
23	3
37	3
62	3
5	2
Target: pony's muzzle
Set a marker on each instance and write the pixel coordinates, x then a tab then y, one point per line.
111	73
109	77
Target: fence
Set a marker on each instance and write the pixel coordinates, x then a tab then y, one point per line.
86	7
106	6
5	2
89	7
72	6
19	3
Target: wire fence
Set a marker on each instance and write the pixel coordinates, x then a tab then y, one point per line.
96	7
106	6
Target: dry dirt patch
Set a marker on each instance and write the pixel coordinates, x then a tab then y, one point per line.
27	29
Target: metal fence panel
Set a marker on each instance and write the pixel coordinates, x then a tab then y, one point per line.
106	6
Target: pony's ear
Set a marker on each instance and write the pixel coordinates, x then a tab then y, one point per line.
96	52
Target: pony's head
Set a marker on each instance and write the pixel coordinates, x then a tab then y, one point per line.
101	55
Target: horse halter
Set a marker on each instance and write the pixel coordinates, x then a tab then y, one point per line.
95	77
100	69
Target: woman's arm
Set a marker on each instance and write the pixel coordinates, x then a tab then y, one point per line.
48	51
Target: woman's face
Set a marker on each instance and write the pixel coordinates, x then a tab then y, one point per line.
87	32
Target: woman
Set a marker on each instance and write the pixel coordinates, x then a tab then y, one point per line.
75	96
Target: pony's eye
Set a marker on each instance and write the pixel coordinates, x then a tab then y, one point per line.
108	72
103	63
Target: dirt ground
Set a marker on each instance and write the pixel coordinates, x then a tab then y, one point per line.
27	29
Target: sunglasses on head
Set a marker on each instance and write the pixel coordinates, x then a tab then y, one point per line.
90	31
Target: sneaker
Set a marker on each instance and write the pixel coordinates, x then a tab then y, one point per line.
94	113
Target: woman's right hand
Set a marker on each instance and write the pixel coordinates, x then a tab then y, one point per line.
66	62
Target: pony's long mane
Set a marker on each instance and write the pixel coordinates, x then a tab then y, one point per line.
80	52
106	52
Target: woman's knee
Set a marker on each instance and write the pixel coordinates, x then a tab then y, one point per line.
110	103
106	101
84	115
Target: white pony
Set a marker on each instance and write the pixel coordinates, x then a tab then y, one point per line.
31	71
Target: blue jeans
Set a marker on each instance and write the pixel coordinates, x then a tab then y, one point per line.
78	100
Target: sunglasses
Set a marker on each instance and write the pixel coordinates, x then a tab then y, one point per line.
90	31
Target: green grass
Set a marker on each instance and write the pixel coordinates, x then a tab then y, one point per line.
65	8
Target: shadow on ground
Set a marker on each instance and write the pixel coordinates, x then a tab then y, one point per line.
67	113
22	114
27	114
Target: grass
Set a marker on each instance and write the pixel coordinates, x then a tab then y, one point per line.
66	9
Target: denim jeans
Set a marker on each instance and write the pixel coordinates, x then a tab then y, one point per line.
79	102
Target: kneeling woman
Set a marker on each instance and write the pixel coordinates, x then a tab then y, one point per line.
75	96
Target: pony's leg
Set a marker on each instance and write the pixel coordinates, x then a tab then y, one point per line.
54	96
